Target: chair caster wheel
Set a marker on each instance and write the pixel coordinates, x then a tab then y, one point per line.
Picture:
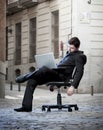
48	109
43	108
76	108
69	109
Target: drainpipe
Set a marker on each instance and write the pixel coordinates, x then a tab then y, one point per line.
71	15
70	34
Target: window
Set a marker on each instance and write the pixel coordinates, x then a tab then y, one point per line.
55	33
6	76
32	40
18	44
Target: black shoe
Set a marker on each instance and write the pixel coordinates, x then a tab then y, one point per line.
22	109
22	78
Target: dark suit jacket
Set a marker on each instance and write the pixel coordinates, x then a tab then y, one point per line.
73	60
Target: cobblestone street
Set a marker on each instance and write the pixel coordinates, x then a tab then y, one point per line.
89	116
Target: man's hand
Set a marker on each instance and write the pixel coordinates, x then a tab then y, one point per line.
70	91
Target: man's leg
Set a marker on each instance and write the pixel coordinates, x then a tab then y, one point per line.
42	76
28	96
45	74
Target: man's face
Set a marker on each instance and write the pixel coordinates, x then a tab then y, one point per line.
72	48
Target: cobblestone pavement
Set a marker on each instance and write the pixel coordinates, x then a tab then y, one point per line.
89	116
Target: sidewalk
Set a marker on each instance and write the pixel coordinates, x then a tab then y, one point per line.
89	116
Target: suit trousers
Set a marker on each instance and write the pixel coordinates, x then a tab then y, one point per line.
42	76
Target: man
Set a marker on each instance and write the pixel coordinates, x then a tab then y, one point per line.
73	59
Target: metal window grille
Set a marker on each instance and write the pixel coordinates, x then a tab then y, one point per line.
55	33
32	40
18	44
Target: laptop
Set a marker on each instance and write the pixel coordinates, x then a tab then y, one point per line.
47	60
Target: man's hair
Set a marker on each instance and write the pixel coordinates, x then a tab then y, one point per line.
74	41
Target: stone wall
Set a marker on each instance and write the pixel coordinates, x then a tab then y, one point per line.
2	47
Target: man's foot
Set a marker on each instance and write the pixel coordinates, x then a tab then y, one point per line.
22	109
22	78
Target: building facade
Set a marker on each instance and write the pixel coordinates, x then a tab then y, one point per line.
40	26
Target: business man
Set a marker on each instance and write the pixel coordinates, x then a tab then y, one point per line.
74	58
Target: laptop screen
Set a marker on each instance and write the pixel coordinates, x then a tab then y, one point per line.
45	60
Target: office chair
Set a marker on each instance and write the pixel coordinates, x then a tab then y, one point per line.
59	104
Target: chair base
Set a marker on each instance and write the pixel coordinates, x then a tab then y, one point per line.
60	107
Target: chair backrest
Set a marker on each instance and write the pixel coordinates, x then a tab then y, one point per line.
74	71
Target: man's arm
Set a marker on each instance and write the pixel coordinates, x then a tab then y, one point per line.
80	62
70	90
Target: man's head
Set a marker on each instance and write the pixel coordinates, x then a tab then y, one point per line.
74	44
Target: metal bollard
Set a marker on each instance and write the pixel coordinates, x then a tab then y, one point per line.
76	90
11	85
19	87
92	90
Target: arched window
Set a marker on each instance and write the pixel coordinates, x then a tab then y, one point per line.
17	72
